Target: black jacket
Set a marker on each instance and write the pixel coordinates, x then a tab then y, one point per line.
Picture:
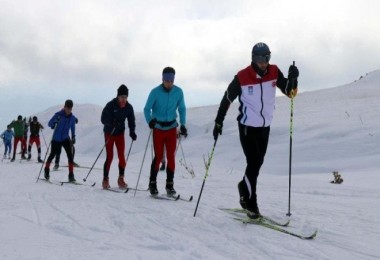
113	116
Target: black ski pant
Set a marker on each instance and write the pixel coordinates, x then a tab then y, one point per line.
56	149
254	141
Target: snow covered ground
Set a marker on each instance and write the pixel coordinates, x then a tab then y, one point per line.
334	129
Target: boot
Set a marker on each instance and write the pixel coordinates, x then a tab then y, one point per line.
56	166
121	182
153	188
23	156
29	157
39	160
13	159
47	175
170	191
106	183
253	212
71	177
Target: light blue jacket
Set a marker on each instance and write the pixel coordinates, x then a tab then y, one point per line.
163	104
7	136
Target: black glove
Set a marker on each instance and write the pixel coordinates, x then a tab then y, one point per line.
133	135
152	123
217	130
293	72
73	139
183	130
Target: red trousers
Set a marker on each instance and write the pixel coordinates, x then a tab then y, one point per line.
167	139
119	141
15	143
34	139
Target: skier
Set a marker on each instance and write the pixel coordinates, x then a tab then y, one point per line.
62	122
113	118
18	127
58	155
25	137
255	87
160	113
34	137
7	136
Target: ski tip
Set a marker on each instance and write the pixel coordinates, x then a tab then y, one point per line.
93	184
126	190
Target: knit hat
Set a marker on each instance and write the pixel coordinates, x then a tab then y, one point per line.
69	103
168	74
122	90
19	117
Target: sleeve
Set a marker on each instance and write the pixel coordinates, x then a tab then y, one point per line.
106	117
233	90
182	109
131	121
54	119
148	107
284	84
72	127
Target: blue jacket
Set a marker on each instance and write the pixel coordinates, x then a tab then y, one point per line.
7	136
163	104
64	124
112	112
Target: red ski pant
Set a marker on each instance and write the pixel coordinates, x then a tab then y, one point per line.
35	139
164	139
119	141
15	143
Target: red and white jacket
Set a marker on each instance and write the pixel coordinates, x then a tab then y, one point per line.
256	96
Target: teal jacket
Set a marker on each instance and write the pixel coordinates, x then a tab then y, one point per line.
163	104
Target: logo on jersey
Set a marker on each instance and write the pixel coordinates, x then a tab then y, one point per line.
250	90
274	83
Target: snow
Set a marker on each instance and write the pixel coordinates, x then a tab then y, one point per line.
334	129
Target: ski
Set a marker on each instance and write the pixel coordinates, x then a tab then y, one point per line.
190	199
117	190
78	183
83	167
50	182
165	197
266	218
263	223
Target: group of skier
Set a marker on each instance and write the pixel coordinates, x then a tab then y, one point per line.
254	86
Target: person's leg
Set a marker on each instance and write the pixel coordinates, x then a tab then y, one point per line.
170	144
109	141
67	146
120	148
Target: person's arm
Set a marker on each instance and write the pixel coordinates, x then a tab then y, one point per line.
182	109
233	90
148	107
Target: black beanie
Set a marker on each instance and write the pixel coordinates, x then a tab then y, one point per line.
69	103
122	90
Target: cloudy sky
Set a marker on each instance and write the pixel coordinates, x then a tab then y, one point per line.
51	50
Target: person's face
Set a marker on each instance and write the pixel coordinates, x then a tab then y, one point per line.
262	65
122	99
68	110
168	84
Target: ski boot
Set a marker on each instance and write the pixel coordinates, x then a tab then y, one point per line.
29	157
56	166
39	160
71	177
153	188
170	191
122	184
47	173
105	183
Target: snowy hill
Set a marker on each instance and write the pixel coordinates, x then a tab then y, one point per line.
334	129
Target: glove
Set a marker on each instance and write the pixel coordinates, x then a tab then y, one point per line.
294	93
73	139
217	130
133	135
152	123
183	130
293	72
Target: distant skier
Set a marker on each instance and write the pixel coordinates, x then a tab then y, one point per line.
35	128
62	122
337	178
18	127
7	136
25	138
255	87
161	114
113	118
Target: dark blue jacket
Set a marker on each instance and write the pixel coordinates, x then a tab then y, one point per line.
64	124
114	116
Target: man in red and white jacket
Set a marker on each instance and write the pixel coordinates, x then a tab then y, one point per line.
256	88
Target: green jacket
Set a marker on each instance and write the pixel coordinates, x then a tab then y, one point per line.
19	127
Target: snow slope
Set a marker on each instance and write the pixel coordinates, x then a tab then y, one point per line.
334	129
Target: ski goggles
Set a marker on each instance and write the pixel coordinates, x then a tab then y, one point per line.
261	59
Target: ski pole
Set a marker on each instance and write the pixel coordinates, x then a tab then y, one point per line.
47	150
43	136
290	144
142	163
130	148
206	174
113	130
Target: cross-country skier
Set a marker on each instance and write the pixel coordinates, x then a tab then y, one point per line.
18	127
7	136
35	128
256	88
113	119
